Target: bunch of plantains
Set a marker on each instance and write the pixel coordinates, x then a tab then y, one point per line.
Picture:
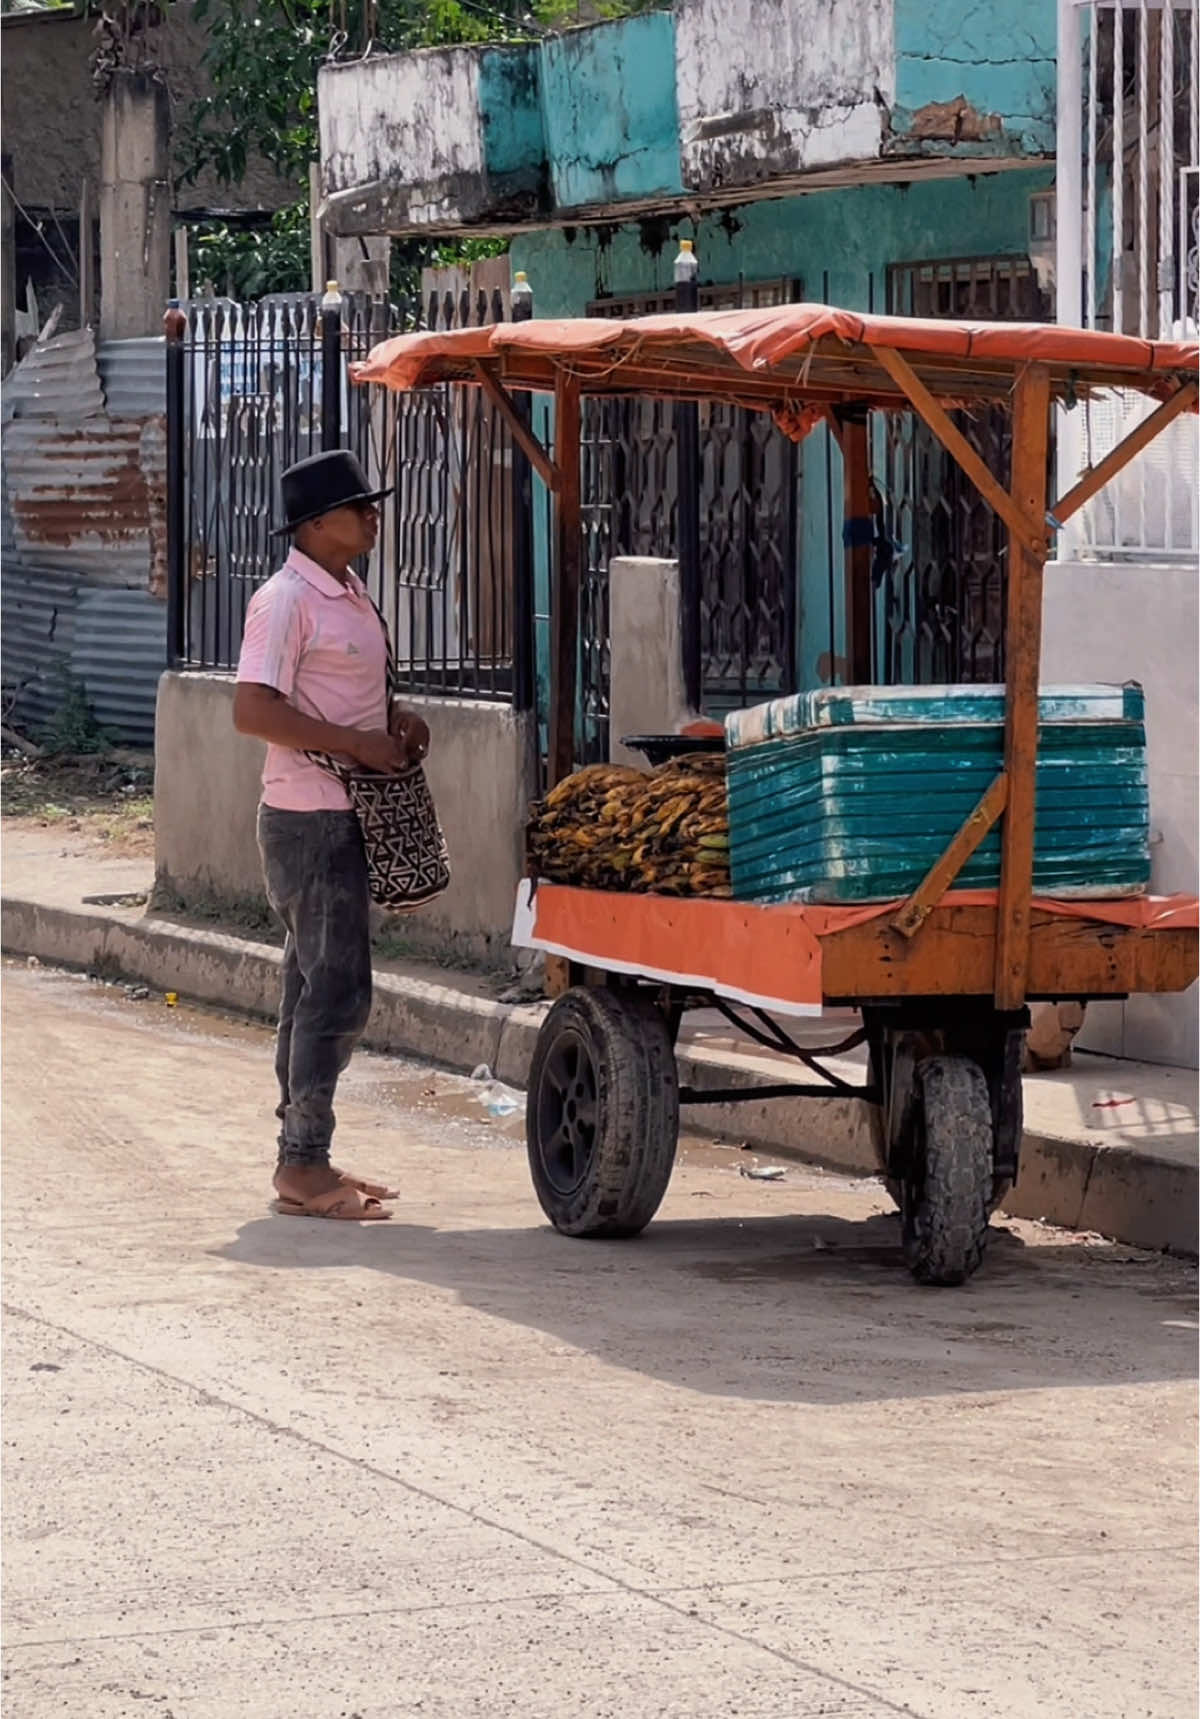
607	827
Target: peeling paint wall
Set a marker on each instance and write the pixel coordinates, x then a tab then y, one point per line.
851	235
412	120
611	121
652	111
979	78
439	139
767	89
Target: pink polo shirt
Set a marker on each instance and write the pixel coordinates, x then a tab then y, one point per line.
320	644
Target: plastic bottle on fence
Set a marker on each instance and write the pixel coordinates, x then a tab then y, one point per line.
521	297
687	263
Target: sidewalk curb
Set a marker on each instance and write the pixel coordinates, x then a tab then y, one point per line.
1132	1197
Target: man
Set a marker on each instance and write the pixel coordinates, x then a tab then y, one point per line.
312	678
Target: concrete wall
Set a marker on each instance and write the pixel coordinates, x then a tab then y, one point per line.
52	118
839	241
980	78
646	690
481	771
652	110
609	111
431	141
1135	622
766	89
206	783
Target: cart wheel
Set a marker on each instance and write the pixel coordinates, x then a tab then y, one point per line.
946	1202
602	1113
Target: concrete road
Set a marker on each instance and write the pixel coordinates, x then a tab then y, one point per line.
455	1465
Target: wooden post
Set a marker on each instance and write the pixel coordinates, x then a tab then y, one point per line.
183	283
316	230
1023	651
87	271
567	568
856	490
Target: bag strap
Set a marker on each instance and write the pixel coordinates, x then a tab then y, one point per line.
391	690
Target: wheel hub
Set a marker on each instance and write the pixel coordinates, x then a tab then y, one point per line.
566	1113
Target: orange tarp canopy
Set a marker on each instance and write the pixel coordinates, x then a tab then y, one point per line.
786	355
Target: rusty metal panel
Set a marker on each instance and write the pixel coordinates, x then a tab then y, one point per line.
81	496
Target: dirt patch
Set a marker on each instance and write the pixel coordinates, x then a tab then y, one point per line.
107	798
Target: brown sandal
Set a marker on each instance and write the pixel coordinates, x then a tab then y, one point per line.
347	1203
374	1190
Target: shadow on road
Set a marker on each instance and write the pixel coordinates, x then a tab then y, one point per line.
800	1308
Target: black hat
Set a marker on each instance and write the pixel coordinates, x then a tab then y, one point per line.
319	484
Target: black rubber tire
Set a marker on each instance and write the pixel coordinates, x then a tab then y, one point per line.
610	1179
946	1206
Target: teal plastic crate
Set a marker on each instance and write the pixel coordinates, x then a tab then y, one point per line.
851	794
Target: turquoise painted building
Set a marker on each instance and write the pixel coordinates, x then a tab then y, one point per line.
876	154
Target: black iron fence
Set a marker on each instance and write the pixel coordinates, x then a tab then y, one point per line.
252	388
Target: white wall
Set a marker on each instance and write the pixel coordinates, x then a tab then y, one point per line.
415	119
1105	622
765	88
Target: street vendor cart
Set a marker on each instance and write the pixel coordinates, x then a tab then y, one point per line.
943	977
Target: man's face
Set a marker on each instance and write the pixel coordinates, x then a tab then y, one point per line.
346	532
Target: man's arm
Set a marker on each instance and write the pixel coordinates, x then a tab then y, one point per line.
264	713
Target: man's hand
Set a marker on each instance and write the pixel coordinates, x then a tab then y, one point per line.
264	712
411	730
385	753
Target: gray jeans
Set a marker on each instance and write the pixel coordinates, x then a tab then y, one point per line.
316	877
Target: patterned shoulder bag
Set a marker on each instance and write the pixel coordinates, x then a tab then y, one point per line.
407	862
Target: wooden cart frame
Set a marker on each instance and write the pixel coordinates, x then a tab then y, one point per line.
943	978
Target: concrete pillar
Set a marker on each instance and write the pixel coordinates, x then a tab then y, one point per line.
362	265
135	207
646	687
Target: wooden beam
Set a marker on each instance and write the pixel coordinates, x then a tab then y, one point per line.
1028	530
1023	651
942	873
856	505
568	562
1095	478
524	437
956	952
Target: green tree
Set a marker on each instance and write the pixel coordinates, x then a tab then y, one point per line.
262	63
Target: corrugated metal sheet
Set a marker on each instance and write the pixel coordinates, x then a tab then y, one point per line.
80	494
57	378
85	532
133	376
53	622
119	652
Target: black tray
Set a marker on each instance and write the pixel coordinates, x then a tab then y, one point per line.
656	749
